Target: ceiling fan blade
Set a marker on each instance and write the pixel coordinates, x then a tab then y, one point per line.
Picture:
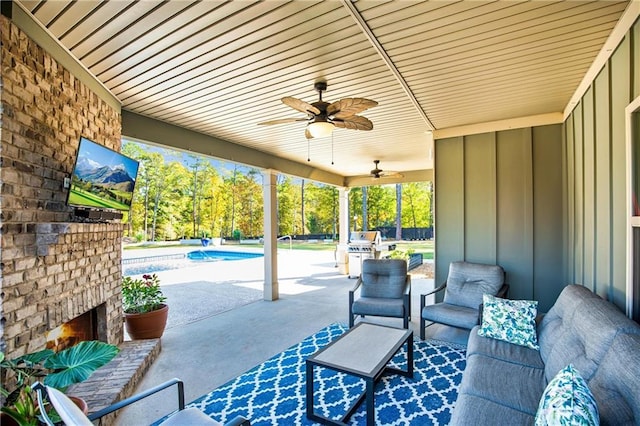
354	122
282	121
388	174
349	106
301	106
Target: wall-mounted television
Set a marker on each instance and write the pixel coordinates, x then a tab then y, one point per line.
102	178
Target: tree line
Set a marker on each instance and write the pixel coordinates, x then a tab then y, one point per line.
176	199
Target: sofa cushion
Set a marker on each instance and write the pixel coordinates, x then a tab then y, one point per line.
557	321
467	282
514	385
616	383
567	400
477	411
513	321
454	315
586	337
502	350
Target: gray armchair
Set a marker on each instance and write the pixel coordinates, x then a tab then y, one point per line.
465	285
71	415
385	290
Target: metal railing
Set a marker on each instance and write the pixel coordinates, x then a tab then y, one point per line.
290	240
146	259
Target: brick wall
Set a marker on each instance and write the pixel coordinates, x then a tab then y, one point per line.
53	268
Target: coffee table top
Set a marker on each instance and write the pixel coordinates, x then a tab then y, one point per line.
363	350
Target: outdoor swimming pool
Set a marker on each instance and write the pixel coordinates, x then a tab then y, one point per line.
151	264
217	255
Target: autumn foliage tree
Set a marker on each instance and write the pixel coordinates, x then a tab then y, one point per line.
185	196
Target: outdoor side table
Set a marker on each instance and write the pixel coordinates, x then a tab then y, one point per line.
364	352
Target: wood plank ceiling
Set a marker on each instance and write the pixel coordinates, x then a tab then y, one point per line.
222	67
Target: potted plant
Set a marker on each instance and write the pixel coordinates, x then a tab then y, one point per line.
145	313
413	259
56	369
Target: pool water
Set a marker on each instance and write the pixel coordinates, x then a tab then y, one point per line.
192	258
216	255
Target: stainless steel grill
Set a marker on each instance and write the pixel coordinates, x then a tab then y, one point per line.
364	245
364	241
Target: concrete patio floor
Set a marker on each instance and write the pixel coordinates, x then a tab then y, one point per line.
210	350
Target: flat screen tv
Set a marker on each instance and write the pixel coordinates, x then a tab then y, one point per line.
102	178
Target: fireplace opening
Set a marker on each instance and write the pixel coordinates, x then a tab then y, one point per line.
81	328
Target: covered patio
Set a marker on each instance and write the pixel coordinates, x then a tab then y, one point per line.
220	347
524	114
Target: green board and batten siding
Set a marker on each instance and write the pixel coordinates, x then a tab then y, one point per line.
547	203
493	191
595	238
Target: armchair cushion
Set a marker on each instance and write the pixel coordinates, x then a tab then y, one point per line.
379	306
456	316
384	278
467	282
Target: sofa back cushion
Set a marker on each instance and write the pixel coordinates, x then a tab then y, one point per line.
467	282
383	278
579	330
616	383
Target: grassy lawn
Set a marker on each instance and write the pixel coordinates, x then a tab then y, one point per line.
424	247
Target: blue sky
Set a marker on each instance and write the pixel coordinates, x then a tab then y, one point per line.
103	156
186	159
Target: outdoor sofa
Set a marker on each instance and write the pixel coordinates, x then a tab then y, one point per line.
503	383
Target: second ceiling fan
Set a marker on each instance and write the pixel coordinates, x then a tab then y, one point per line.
378	173
323	117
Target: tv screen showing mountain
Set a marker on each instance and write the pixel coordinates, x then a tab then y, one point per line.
102	178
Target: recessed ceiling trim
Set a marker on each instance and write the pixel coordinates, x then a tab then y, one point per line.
386	58
624	24
495	126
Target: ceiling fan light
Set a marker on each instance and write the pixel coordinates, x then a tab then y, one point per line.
320	129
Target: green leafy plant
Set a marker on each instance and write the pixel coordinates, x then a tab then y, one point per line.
140	296
399	254
55	369
24	410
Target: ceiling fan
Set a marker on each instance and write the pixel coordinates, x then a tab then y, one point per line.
323	117
378	173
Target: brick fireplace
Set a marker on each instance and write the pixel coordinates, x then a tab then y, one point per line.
54	266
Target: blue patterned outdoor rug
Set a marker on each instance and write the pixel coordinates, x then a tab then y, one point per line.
273	393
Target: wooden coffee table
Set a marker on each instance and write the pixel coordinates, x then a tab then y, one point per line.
364	351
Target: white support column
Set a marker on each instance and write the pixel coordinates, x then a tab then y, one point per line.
342	252
270	288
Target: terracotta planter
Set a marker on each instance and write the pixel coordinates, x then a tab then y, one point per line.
149	325
81	403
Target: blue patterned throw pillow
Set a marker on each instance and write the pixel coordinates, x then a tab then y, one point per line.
513	321
567	400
